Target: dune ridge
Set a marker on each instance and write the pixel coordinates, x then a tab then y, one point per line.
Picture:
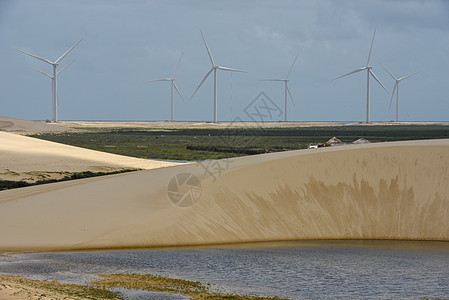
392	190
30	159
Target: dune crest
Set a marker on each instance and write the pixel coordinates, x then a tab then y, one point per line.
31	159
392	190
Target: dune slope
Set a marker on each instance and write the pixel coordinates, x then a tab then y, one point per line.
31	159
376	191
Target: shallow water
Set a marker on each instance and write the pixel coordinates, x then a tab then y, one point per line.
298	270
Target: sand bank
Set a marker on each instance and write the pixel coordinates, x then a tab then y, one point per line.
31	159
27	127
221	125
392	190
20	288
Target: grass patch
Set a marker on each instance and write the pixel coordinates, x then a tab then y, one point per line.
196	290
215	143
69	290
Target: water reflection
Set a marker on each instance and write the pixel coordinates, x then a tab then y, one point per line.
299	270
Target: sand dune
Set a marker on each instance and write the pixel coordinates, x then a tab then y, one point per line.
376	191
31	159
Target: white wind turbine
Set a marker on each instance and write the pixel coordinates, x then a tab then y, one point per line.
54	89
287	90
173	86
214	68
396	88
368	72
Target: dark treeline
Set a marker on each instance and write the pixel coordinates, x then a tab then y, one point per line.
247	151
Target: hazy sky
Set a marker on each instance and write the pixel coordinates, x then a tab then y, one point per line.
126	43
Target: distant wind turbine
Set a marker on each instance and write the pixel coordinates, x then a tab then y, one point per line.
396	88
173	86
54	89
214	68
287	90
369	72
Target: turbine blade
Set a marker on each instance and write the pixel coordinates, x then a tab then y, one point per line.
60	71
179	93
374	76
208	51
291	68
291	97
392	95
355	71
35	56
43	73
405	77
371	48
177	66
391	74
67	52
272	80
205	77
162	79
229	69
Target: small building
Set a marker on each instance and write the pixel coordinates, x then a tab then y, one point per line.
361	141
333	142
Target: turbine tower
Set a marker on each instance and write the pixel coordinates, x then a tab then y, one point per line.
396	88
54	88
369	73
287	90
214	68
173	86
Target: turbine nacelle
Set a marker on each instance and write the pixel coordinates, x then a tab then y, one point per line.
287	90
396	89
54	89
214	69
173	86
370	73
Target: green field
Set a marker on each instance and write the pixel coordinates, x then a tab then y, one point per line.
200	144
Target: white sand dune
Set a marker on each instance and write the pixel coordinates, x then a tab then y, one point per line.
375	191
26	158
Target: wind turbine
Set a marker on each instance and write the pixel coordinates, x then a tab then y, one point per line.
173	86
214	68
368	72
54	89
287	90
53	83
396	88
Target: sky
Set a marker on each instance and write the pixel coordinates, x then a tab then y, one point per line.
127	43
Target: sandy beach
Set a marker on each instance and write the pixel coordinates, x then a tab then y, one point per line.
16	288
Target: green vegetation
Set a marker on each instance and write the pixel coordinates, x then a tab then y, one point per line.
200	144
10	184
196	290
38	289
60	289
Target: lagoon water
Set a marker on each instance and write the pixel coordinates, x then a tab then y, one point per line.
296	270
